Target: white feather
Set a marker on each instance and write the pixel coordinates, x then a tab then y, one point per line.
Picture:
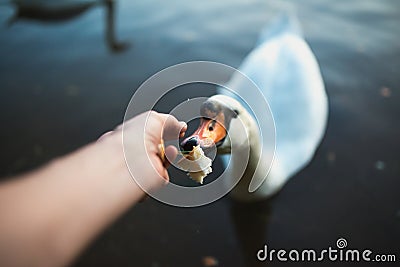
285	69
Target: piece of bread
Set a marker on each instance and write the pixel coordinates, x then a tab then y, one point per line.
196	164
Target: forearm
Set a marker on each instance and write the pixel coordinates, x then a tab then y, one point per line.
49	215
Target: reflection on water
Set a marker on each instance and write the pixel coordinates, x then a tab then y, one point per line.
58	11
251	222
60	90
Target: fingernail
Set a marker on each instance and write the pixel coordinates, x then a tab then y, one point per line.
183	124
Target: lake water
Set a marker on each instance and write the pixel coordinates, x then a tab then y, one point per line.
62	87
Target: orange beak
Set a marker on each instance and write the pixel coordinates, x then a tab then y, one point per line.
210	132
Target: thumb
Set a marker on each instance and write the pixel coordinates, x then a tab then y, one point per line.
170	154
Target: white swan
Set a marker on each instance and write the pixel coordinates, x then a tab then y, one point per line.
284	68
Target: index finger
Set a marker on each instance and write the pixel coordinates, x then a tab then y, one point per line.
172	128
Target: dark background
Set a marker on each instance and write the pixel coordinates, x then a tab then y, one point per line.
62	87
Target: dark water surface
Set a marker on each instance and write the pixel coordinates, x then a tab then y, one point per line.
62	87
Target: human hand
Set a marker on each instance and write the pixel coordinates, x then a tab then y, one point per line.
93	184
141	137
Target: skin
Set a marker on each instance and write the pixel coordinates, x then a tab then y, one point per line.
48	216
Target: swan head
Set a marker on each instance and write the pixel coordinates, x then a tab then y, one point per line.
221	116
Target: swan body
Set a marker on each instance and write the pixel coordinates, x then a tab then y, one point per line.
286	72
63	10
48	10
